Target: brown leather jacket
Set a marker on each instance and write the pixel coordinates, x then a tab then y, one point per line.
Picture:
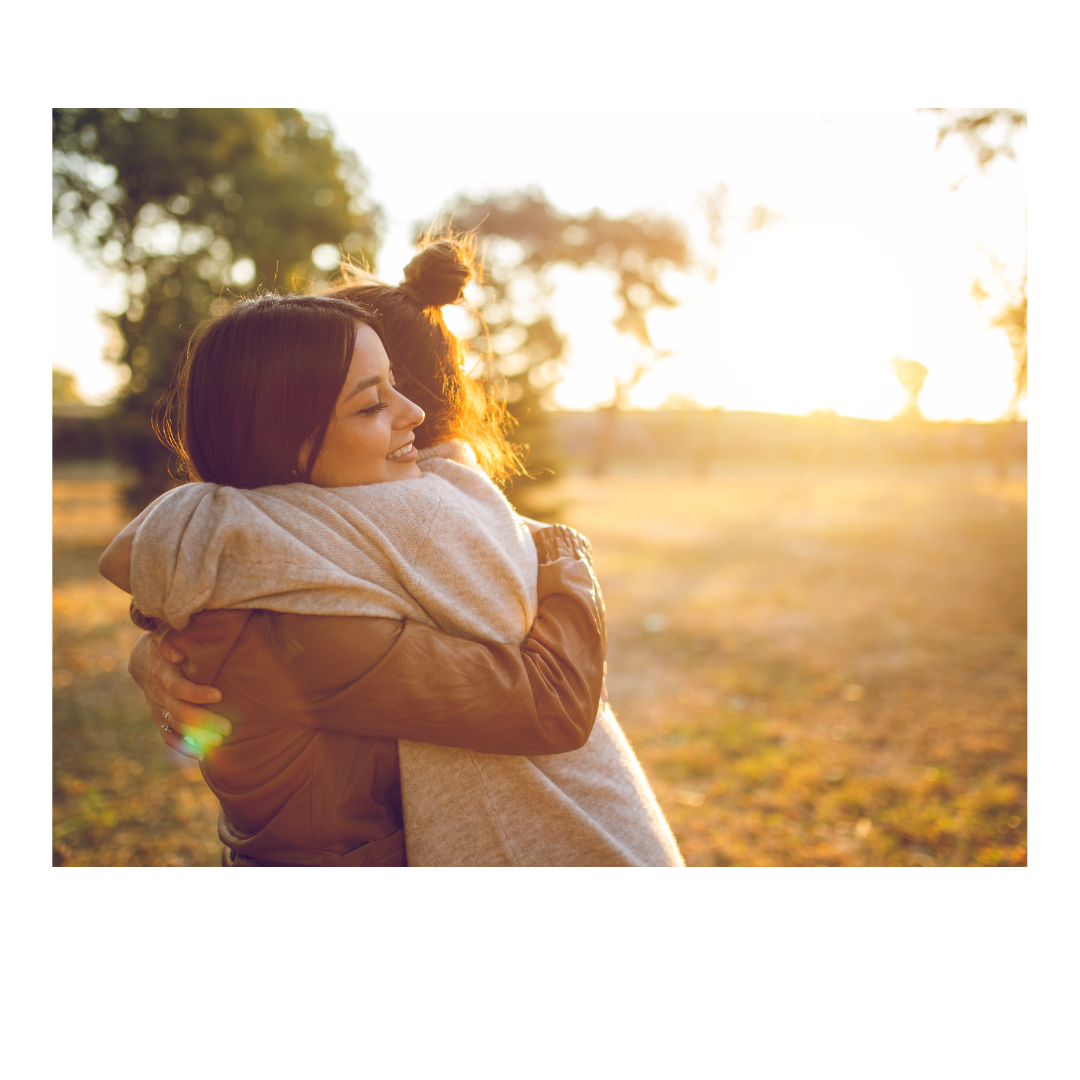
310	777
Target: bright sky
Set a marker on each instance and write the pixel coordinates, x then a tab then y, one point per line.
872	257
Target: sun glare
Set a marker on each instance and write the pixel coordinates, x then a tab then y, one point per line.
809	318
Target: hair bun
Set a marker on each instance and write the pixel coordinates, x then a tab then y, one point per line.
438	274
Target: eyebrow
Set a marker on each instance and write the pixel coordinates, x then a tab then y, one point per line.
363	384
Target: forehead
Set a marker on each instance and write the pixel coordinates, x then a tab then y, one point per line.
369	357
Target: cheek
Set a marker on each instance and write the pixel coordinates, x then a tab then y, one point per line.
369	437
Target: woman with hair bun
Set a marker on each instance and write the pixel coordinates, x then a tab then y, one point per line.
429	361
402	660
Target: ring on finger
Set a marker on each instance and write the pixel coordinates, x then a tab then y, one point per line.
167	717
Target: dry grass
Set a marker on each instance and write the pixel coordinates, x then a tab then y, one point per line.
120	796
833	672
840	677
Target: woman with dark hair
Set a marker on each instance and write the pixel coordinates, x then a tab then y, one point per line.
313	500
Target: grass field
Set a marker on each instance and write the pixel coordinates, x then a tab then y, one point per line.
816	667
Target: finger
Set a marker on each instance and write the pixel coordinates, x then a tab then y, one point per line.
197	738
194	718
179	642
171	653
174	683
184	712
193	739
175	741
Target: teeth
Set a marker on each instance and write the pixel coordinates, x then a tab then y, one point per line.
401	451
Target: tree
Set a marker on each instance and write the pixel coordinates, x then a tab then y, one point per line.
189	203
523	236
911	375
1012	318
989	134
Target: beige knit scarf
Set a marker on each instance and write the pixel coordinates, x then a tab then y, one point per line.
445	549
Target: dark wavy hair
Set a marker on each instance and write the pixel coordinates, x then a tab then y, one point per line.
257	387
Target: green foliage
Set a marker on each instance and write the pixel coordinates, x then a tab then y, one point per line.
523	236
190	203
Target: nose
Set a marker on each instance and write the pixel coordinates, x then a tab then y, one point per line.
410	414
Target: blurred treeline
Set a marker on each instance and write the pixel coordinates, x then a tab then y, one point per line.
195	207
699	442
695	441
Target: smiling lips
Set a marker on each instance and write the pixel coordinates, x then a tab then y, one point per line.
401	452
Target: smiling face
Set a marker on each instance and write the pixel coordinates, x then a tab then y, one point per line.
370	439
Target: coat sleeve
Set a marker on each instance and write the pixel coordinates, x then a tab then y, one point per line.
385	678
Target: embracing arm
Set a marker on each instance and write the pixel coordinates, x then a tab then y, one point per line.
540	697
388	678
385	678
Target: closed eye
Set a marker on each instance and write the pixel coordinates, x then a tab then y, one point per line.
376	408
